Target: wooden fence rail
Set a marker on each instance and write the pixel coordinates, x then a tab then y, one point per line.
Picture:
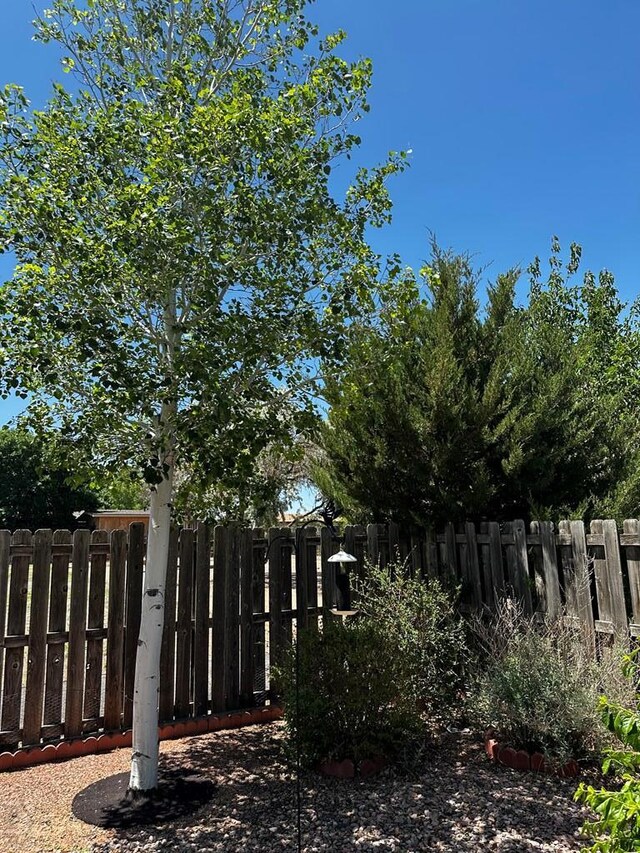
70	606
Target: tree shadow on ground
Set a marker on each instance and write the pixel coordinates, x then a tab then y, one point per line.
454	801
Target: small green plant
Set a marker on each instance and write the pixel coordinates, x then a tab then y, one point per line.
419	617
537	685
617	826
343	694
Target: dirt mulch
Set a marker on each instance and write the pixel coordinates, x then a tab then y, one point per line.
456	801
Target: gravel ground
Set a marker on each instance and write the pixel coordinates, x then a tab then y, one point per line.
456	802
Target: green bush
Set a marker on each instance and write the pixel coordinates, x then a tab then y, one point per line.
617	826
420	619
362	685
350	702
538	685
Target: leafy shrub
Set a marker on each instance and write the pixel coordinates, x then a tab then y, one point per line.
420	620
350	702
538	685
617	827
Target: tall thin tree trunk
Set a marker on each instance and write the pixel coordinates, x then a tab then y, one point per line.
144	762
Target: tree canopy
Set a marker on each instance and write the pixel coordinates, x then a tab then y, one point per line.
445	409
176	238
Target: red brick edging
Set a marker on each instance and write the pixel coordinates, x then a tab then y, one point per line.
115	740
522	760
348	769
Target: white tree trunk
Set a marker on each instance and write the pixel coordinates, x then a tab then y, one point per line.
144	762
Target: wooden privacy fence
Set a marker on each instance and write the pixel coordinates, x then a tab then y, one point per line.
70	606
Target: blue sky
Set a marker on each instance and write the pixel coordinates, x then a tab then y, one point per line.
523	117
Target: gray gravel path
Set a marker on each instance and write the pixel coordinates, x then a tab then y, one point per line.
456	802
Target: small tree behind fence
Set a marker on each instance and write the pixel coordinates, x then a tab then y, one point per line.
70	606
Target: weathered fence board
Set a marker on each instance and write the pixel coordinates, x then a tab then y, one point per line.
631	528
36	658
276	623
327	548
16	625
77	633
184	624
168	650
232	607
5	545
218	653
302	578
259	627
99	549
115	632
201	630
247	627
61	554
135	568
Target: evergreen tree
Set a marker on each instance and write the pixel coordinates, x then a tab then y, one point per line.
445	410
